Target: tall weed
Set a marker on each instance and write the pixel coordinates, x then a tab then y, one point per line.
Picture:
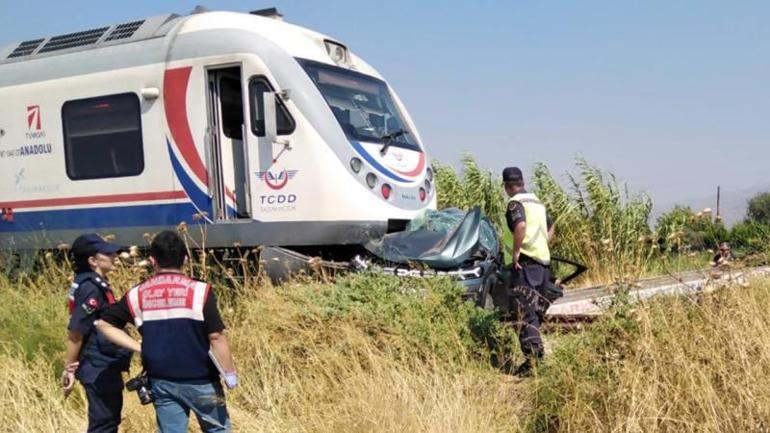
597	221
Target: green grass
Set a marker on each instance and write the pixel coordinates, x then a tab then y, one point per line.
31	317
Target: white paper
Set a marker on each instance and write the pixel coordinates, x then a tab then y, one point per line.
217	364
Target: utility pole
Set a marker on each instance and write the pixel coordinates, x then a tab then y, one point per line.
719	218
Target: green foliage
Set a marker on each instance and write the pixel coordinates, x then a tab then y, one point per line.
750	237
472	186
670	226
425	313
34	321
682	229
759	208
7	261
593	357
597	221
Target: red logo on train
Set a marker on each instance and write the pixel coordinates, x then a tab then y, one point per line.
276	180
33	117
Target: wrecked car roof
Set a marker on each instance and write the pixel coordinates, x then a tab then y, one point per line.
439	239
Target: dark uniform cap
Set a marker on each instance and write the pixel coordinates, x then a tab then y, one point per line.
512	174
89	244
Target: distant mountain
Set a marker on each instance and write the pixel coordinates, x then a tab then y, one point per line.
732	206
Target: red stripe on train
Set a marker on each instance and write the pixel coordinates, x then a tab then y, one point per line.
417	170
95	199
175	82
175	102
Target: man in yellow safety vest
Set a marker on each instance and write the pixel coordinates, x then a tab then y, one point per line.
532	229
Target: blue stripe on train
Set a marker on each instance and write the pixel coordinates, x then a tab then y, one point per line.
94	218
199	198
374	163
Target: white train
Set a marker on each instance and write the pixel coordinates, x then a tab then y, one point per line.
264	132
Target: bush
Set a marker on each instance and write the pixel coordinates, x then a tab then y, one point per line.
683	229
426	313
750	237
759	208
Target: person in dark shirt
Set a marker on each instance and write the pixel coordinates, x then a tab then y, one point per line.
182	336
91	359
532	229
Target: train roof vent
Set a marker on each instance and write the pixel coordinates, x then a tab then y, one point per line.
72	40
124	31
268	13
129	31
25	48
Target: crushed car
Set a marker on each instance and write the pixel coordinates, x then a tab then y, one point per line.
461	245
464	246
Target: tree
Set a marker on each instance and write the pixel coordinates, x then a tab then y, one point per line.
759	208
749	236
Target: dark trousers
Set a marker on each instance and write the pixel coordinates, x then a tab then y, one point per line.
527	306
527	321
105	402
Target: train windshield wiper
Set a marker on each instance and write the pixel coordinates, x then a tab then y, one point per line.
387	139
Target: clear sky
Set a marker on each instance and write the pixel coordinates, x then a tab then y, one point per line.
671	96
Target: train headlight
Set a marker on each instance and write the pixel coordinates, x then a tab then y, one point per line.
429	174
371	180
355	165
427	185
423	194
386	190
337	52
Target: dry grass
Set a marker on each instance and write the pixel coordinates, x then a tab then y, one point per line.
372	354
675	365
311	359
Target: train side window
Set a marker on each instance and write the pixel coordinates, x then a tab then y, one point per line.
232	107
103	137
257	86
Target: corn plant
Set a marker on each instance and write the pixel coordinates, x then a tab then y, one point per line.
598	222
472	186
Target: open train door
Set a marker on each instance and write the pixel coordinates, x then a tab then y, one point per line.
227	146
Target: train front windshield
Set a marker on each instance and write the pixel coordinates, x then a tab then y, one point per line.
362	105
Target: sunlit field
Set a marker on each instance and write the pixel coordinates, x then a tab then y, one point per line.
373	354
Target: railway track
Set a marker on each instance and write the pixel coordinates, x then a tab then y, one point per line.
586	304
